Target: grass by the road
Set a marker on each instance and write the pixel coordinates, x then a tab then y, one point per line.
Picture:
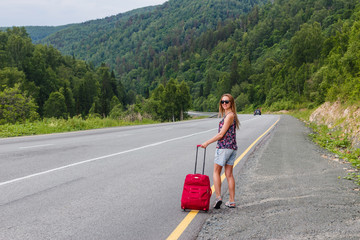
52	125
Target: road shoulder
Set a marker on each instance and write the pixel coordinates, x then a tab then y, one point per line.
287	189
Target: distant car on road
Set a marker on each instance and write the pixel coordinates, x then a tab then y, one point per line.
257	112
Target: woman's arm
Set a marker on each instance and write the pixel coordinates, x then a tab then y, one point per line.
227	123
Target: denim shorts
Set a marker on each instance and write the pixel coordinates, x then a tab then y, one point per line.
225	157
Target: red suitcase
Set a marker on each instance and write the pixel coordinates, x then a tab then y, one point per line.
197	191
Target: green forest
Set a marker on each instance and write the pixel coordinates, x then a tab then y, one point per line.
36	81
162	61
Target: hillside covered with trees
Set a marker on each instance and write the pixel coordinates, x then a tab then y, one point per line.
36	81
282	55
163	60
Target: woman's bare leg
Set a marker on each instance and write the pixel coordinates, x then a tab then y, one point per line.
231	182
217	179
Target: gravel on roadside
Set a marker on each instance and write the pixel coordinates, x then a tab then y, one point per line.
288	188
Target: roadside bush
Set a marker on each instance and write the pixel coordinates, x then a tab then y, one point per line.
116	112
15	106
282	105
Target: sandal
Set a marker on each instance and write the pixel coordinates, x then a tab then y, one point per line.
230	204
217	203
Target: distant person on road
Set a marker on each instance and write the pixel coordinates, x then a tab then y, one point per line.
226	148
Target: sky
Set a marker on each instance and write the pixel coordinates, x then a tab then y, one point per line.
62	12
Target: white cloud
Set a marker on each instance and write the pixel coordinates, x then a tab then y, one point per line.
60	12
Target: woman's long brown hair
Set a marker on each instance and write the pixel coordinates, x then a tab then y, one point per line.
233	108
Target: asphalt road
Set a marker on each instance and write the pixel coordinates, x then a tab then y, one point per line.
115	183
289	189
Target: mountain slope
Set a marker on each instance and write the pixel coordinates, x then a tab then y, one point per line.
288	54
116	40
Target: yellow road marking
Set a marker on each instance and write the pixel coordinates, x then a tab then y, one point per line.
183	225
191	215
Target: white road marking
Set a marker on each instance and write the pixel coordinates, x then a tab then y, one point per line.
36	146
102	157
124	135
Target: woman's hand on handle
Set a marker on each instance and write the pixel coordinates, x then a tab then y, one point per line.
204	145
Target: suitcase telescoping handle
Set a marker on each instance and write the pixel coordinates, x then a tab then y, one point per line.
197	150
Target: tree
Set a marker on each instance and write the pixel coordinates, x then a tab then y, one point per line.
153	108
89	89
306	44
116	108
4	56
107	90
9	76
242	101
223	85
55	106
19	46
120	92
39	72
169	99
234	73
131	97
69	99
183	98
114	102
153	105
210	78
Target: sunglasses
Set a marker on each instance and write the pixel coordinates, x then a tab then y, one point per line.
224	101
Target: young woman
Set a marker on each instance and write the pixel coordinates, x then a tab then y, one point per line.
225	154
